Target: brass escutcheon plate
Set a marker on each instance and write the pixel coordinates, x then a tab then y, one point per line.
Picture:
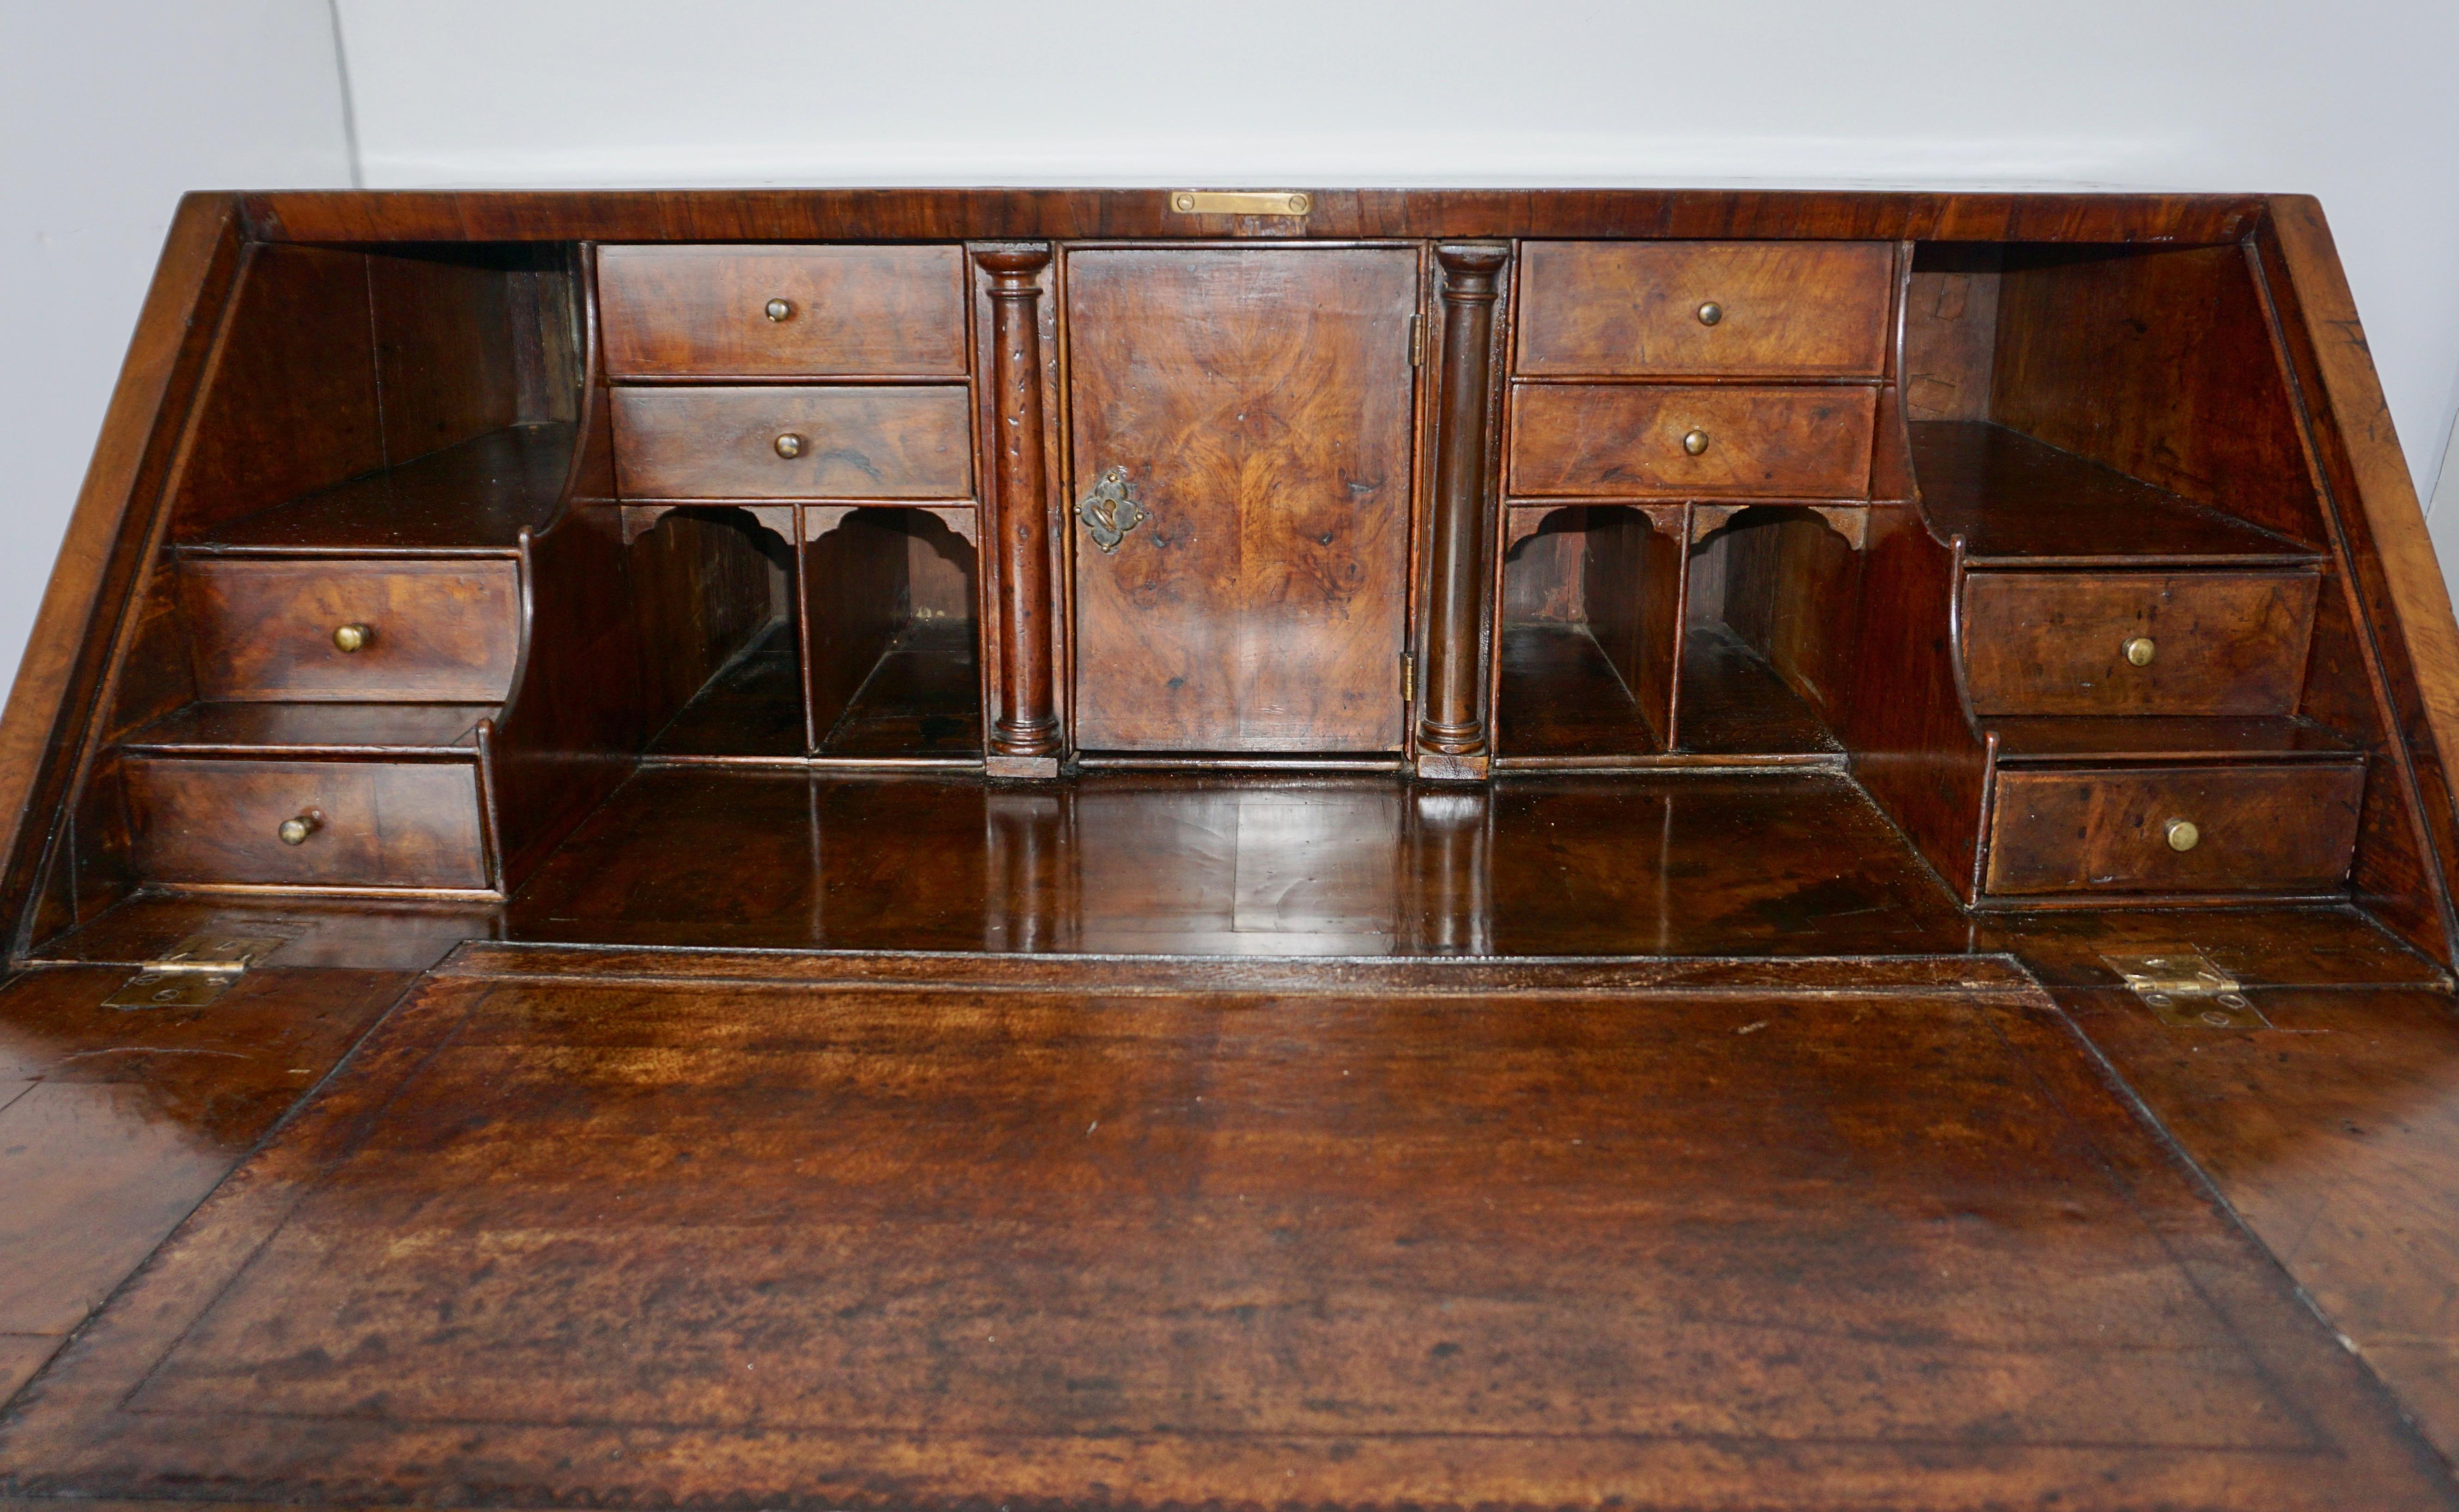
1109	511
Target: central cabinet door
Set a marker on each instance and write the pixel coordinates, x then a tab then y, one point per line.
1249	410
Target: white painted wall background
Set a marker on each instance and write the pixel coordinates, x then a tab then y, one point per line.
111	108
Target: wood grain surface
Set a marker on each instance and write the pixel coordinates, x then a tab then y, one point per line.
861	311
1786	309
1259	402
382	824
1054	1236
2266	829
2055	643
906	442
446	632
1625	441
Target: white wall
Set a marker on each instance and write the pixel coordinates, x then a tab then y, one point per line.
2357	102
109	110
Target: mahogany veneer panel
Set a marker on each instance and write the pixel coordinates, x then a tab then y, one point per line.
1625	441
441	632
863	311
2156	737
383	823
1058	1238
2268	828
2055	643
1789	310
907	442
322	728
473	499
2014	498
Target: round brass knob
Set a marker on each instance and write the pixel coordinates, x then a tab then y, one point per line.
789	445
1696	442
295	832
351	637
1711	313
2141	650
2182	833
780	309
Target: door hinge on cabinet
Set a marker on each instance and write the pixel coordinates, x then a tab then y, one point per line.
197	969
1416	341
1408	677
2185	991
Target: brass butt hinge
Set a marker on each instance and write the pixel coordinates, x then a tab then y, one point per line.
1408	677
2185	991
1416	341
197	969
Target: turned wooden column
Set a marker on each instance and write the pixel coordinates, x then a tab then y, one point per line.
1451	722
1024	738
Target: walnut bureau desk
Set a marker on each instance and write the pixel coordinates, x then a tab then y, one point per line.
1145	848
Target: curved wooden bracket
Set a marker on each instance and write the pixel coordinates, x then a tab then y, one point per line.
1850	521
818	519
778	519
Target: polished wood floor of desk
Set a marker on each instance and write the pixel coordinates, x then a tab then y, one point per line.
1824	1196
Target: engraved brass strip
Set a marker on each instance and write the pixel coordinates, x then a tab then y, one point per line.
1205	201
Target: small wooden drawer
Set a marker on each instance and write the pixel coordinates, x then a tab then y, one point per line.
1773	310
2184	642
425	631
1677	441
849	443
782	312
2258	829
374	824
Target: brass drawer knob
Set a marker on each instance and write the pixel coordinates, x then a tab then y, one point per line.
2141	650
1711	313
789	445
2182	833
295	832
1696	442
351	637
780	309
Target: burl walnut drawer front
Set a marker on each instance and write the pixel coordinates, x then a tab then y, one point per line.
1776	309
1677	441
2190	643
356	824
780	313
904	442
2188	829
442	632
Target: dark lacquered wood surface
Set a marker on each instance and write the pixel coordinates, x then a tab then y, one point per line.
1017	1246
1259	401
2021	502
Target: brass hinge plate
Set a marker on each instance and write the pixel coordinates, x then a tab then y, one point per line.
1408	677
1416	341
1205	201
197	970
2185	991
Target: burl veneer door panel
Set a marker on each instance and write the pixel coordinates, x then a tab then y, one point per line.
1259	403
